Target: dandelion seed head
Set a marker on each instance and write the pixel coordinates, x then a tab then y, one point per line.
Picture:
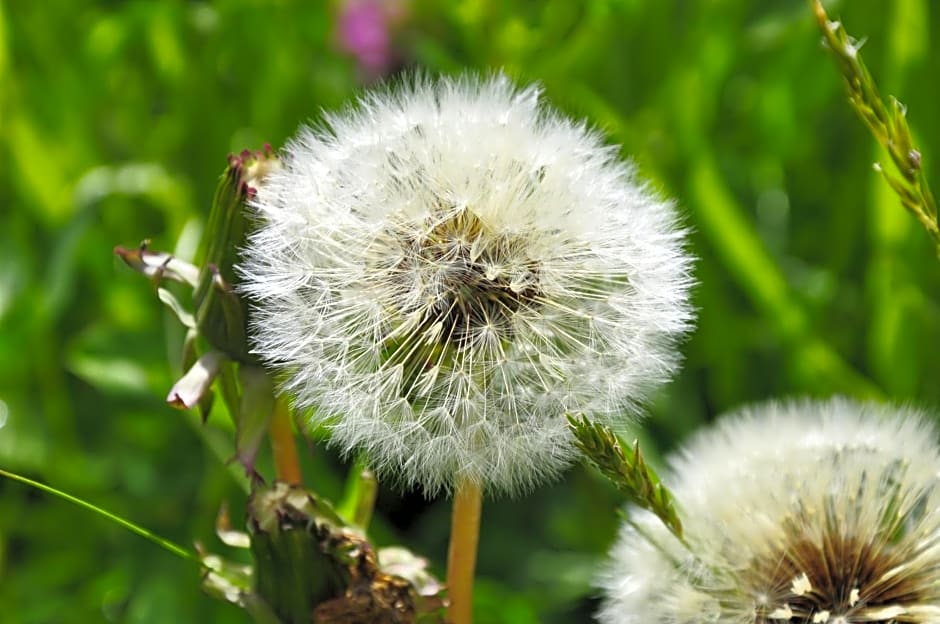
446	269
796	513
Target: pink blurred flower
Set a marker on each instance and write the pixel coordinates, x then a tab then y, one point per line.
364	30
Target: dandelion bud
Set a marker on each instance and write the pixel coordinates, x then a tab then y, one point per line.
797	513
446	269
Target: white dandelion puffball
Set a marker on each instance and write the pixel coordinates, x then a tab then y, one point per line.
445	269
805	512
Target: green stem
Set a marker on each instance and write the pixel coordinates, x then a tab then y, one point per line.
359	499
166	544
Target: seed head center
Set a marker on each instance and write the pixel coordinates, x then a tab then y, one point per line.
479	278
822	583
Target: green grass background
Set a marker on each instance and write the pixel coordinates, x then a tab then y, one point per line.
115	121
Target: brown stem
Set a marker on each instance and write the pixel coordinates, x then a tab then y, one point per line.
286	461
462	554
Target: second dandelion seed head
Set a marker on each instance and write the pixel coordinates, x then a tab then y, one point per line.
793	513
448	268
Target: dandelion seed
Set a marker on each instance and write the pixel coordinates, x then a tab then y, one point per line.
799	513
448	268
801	585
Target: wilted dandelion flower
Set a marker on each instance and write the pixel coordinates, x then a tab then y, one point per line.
804	512
448	267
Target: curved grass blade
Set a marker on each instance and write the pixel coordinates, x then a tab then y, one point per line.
166	544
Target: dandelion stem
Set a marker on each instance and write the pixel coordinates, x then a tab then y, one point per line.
462	554
283	447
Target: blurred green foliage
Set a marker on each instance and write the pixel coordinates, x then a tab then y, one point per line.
115	120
